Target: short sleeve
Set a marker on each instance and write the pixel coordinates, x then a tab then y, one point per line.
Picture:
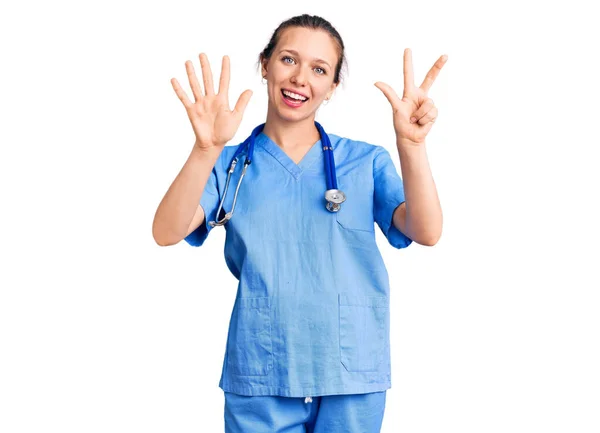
210	204
388	195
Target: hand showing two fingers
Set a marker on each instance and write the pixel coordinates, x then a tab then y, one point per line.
214	123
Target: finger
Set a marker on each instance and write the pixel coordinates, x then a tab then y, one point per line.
180	93
207	77
224	81
409	82
433	73
194	84
430	117
389	93
422	110
426	128
242	102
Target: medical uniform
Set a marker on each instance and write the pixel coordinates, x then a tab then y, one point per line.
342	413
311	315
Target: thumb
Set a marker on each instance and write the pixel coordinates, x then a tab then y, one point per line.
242	102
389	93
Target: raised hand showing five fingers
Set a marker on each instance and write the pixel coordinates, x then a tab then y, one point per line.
415	113
214	123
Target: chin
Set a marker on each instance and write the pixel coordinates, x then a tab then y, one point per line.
295	117
291	115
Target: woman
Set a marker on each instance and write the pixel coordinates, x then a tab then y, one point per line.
308	341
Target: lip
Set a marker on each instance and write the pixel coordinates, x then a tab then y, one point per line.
295	91
290	103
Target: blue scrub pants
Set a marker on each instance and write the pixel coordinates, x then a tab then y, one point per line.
350	413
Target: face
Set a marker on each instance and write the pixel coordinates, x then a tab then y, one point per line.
303	63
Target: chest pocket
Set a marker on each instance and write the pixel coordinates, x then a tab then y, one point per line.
357	211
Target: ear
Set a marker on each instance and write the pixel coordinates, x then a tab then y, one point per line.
333	87
263	68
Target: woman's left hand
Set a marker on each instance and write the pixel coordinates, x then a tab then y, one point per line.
415	113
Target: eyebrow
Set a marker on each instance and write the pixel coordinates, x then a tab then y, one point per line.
296	54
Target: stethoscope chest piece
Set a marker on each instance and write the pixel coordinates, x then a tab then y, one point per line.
335	198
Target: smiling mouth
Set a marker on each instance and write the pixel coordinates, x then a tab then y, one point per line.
294	100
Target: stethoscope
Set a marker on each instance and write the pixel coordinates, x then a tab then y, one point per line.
334	196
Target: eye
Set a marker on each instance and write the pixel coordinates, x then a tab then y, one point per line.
284	58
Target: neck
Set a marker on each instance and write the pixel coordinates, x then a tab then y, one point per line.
291	135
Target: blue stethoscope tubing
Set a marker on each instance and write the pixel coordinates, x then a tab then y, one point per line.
333	196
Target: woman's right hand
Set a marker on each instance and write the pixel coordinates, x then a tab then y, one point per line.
213	121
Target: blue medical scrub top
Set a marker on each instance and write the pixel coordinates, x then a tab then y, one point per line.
311	314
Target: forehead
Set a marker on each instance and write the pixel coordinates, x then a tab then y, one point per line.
310	43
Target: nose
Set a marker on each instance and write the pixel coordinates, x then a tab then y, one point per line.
299	77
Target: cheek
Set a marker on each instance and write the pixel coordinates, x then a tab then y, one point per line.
321	92
272	91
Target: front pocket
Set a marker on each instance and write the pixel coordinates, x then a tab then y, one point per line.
357	211
249	351
363	331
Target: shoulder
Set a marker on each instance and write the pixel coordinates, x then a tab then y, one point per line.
348	148
224	160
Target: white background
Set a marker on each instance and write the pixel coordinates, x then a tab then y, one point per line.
494	329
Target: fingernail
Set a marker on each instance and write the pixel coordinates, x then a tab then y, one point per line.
413	119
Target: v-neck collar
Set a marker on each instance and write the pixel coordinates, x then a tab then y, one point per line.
296	170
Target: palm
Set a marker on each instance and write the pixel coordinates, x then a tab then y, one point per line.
405	108
212	120
415	102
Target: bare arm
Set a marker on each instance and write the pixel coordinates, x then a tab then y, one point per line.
179	213
214	124
420	216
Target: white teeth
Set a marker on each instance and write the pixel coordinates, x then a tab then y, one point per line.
294	95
